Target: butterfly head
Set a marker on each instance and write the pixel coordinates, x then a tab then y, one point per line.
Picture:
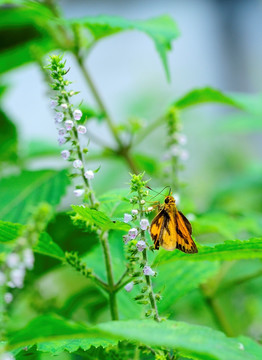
169	200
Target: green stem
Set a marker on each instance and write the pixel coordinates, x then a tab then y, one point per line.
110	277
151	291
152	298
122	149
98	99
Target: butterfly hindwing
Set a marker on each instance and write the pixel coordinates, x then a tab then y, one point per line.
185	242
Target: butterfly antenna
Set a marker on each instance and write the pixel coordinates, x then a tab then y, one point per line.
158	193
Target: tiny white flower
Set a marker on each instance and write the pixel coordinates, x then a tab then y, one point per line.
142	202
191	217
61	140
81	129
2	278
71	93
126	239
134	212
141	245
10	284
133	233
77	114
69	125
77	164
59	117
150	208
184	155
241	346
144	224
65	154
12	260
175	150
148	271
28	258
61	131
17	277
53	103
127	218
89	174
79	192
129	286
8	297
181	138
64	106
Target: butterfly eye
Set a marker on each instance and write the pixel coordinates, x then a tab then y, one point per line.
166	200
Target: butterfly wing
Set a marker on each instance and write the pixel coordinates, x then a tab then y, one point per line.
156	228
185	242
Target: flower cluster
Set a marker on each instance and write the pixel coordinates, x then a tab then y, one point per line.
175	142
21	258
137	246
13	270
70	126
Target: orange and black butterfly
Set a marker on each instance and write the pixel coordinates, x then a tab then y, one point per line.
171	229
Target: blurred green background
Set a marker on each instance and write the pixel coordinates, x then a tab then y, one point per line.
220	47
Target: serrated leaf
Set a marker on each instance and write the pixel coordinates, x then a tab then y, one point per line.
9	232
229	250
98	219
163	30
246	102
46	246
20	194
196	342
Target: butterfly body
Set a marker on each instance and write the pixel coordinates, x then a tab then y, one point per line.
171	230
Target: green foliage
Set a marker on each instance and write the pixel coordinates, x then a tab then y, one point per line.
68	313
9	232
20	194
189	340
249	103
95	218
163	30
229	250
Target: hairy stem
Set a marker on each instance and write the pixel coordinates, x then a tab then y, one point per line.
110	277
151	291
147	277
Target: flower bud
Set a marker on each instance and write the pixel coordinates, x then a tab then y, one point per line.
129	286
134	212
79	192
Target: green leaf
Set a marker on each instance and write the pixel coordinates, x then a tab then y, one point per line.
8	139
229	250
46	246
246	102
162	30
24	29
185	278
196	342
98	219
9	232
40	148
20	194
